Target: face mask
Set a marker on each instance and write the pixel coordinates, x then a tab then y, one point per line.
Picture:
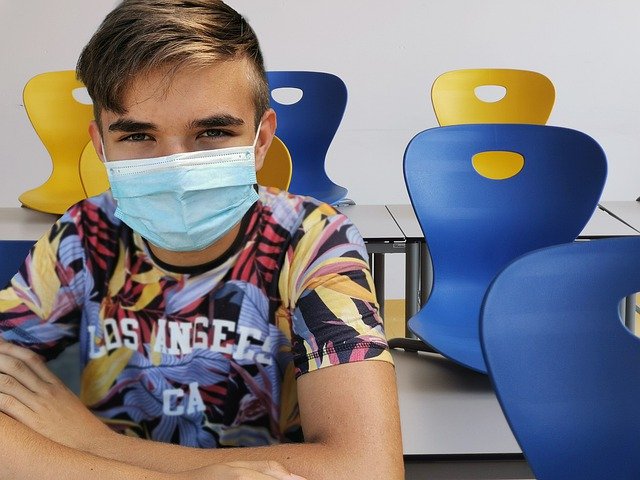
185	201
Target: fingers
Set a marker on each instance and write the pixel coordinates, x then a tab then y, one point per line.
13	406
270	468
24	364
250	470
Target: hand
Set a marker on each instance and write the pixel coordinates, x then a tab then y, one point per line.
266	470
31	394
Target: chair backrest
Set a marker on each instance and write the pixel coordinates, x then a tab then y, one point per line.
565	369
275	172
277	167
475	225
61	121
92	172
528	96
308	126
12	254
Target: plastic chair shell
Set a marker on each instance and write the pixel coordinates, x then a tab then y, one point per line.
565	368
62	124
308	126
475	225
529	97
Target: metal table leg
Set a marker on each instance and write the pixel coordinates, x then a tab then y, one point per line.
426	273
377	266
412	281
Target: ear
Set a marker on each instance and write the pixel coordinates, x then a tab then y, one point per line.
265	136
96	138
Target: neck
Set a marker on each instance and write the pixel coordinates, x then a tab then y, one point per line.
200	257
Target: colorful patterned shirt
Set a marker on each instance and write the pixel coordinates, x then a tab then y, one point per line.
202	356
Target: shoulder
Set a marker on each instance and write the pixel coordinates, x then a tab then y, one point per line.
96	212
294	212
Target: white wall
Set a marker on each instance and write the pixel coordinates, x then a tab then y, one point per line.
388	54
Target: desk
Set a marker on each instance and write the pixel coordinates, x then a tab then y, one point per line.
601	224
604	224
625	211
408	223
450	413
382	235
24	224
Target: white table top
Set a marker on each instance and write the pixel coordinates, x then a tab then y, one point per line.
627	211
446	409
407	221
601	224
24	224
374	222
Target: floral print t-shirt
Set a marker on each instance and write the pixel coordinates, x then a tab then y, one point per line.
202	356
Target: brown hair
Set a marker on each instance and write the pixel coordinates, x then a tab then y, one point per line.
141	35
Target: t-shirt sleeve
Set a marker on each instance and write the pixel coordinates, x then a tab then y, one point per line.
40	308
335	315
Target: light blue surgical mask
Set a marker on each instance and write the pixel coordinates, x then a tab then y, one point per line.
185	201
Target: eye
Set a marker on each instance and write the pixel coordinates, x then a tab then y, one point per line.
136	137
214	133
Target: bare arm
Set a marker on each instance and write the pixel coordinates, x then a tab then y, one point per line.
24	455
349	417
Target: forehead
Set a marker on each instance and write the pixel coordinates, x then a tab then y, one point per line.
190	92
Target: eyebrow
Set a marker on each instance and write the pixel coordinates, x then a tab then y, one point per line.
216	121
131	126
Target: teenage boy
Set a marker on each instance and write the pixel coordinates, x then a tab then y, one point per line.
210	312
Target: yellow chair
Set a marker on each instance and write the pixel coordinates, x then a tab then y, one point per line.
93	175
62	124
275	172
277	167
529	97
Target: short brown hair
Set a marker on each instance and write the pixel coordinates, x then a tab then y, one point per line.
142	35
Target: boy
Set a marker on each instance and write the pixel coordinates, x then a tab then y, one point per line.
210	312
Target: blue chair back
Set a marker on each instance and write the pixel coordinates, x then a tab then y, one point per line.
307	128
12	255
475	225
565	369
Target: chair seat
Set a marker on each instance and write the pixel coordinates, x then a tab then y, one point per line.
53	196
453	331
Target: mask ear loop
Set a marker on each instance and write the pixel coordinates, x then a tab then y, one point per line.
255	144
255	140
104	152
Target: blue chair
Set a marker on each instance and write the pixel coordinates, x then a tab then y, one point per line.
565	369
307	128
544	185
12	254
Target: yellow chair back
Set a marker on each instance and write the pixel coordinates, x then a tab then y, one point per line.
528	97
62	124
92	172
275	172
277	168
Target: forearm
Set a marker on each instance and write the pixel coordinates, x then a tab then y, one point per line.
347	436
24	454
314	461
